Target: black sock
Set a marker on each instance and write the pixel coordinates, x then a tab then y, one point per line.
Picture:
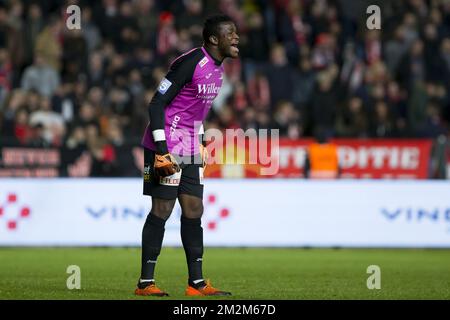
152	238
192	238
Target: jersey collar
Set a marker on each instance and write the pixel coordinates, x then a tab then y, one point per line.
216	62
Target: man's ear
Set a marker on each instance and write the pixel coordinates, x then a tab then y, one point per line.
214	40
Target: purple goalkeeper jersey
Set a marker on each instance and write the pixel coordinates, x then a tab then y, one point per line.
190	86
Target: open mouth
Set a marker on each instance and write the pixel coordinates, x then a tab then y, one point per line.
235	46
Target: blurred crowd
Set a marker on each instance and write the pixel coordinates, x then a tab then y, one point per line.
305	65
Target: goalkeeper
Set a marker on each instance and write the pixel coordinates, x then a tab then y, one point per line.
174	158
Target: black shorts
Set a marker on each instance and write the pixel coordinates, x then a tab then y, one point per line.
189	180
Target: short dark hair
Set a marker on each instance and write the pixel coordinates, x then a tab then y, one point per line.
211	26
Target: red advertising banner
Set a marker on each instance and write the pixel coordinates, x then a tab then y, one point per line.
29	162
358	159
253	158
385	159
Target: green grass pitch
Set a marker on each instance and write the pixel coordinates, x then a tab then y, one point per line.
111	273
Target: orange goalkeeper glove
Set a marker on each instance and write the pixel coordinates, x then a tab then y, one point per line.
165	165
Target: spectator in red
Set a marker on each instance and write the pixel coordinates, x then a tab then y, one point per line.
323	54
22	129
102	153
167	35
372	47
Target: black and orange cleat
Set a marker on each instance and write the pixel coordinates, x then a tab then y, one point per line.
207	290
150	290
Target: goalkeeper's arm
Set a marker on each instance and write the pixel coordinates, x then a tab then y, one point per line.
179	74
157	118
167	91
165	164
